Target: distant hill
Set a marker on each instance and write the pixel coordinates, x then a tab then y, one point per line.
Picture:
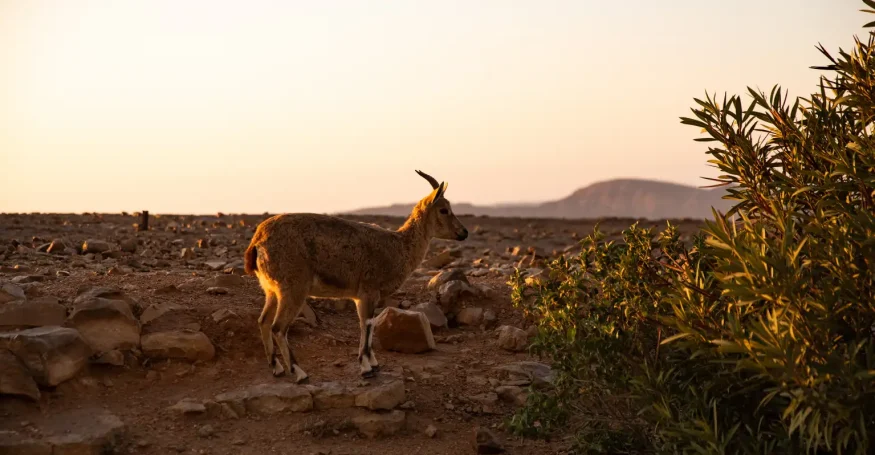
626	198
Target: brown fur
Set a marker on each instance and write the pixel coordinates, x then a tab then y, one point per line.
305	254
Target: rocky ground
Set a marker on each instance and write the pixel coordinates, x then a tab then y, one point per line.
146	342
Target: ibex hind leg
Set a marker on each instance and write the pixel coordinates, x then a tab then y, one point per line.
268	313
290	302
367	361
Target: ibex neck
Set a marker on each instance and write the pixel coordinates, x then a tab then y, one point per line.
416	236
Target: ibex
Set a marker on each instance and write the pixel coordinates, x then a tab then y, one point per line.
304	254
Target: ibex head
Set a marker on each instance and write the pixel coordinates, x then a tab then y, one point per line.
439	214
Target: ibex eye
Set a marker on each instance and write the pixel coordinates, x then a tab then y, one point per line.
444	211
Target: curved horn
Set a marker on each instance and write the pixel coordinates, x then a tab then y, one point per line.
434	183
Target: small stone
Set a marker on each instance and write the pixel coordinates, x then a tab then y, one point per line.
470	316
114	357
222	315
431	431
512	339
186	254
512	394
308	315
94	246
485	442
57	246
217	290
446	276
226	281
215	264
489	318
527	372
205	431
170	289
386	396
129	245
373	425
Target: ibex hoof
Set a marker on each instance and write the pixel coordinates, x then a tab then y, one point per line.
375	368
278	370
369	374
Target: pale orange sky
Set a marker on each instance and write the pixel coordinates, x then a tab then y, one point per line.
198	107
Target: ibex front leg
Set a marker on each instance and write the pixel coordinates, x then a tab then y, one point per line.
367	361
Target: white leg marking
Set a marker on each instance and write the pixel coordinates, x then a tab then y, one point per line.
300	375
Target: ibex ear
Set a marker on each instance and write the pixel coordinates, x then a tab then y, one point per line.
437	192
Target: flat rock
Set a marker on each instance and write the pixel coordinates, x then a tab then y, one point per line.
268	399
178	344
386	396
32	313
404	331
11	292
512	339
156	310
332	395
215	264
471	316
85	431
105	292
14	377
52	354
433	312
106	324
223	281
527	372
188	406
217	290
374	425
222	314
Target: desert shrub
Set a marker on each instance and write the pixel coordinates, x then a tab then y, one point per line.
755	336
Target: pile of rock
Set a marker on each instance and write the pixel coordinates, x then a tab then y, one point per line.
40	345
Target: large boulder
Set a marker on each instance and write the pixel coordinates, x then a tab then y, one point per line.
106	324
32	313
105	292
178	344
332	395
95	246
52	354
404	331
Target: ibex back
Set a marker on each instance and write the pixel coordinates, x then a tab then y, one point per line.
304	254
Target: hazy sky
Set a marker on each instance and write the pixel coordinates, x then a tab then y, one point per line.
253	106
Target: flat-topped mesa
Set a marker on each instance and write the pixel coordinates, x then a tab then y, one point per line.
306	254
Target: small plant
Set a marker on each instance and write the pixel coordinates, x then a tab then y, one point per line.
755	337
